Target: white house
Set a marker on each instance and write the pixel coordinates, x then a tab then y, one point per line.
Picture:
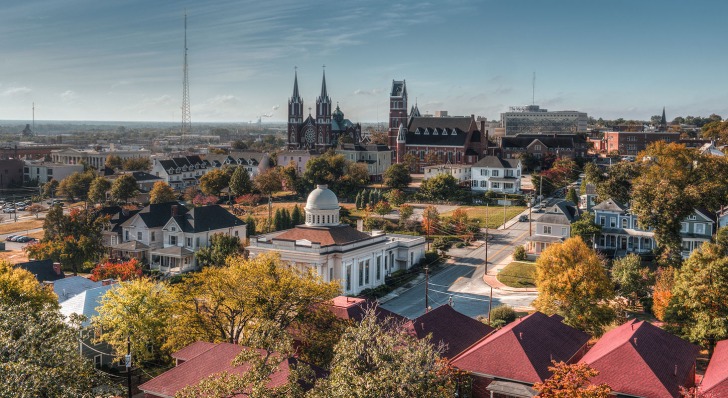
338	252
181	172
495	174
552	227
461	172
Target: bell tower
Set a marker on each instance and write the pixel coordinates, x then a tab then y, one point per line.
323	115
295	115
397	111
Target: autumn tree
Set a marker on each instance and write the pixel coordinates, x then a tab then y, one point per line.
124	188
137	164
430	220
632	280
218	303
240	183
214	181
268	182
405	212
440	187
221	247
120	271
572	196
113	162
396	197
380	359
50	188
17	285
382	208
76	185
662	292
397	176
571	381
572	282
586	228
138	310
40	356
161	193
721	239
97	190
35	209
716	130
617	184
699	304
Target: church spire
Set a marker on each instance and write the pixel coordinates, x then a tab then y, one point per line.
663	121
295	85
324	94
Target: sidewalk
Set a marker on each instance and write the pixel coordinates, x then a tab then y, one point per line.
491	278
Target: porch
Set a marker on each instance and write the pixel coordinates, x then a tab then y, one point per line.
172	260
129	250
538	243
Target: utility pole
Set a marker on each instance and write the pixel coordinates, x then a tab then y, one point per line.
486	238
490	303
540	191
505	199
128	364
427	288
530	230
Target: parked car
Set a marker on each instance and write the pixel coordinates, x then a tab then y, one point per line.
20	208
15	238
9	210
523	218
21	239
9	238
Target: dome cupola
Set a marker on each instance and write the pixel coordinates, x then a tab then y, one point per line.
322	208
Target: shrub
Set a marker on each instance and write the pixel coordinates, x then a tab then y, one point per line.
519	253
502	313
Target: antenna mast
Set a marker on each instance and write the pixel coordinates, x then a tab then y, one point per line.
186	118
533	90
33	115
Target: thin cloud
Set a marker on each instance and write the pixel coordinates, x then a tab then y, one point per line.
16	91
69	96
374	91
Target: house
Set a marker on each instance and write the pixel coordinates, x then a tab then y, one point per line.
509	361
71	286
85	304
621	233
299	158
461	172
180	172
723	217
659	362
338	252
354	308
589	198
43	270
145	181
253	162
554	226
201	360
715	381
444	325
113	232
711	150
540	146
492	173
42	171
377	158
167	235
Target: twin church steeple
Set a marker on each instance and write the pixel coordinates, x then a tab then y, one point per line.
309	132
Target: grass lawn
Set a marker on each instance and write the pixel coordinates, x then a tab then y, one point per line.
495	214
20	226
518	274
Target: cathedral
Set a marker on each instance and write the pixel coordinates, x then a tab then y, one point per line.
324	130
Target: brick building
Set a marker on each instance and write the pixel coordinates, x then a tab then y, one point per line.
631	143
541	146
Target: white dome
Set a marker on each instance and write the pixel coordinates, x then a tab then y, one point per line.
322	198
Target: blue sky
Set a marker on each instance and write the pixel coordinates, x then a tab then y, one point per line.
122	60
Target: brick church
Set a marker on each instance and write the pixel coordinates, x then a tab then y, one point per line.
432	140
322	131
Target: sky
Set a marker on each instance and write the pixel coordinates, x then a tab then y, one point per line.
121	60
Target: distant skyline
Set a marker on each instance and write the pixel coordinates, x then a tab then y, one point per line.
122	61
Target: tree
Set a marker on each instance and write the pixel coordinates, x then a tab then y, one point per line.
17	285
519	253
662	292
382	208
297	216
137	164
113	162
716	130
379	359
502	315
137	310
721	239
50	188
120	271
586	228
397	176
278	220
618	183
379	137
442	245
239	145
571	381
268	182
40	356
97	190
439	187
76	185
214	181
250	227
593	173
699	304
221	247
572	196
204	200
219	303
633	281
161	193
571	282
190	193
124	188
405	212
35	209
396	197
240	183
430	220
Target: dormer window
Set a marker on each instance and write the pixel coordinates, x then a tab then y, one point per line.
171	170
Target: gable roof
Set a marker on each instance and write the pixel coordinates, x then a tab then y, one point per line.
658	360
192	350
436	136
325	236
353	308
42	270
85	303
462	123
156	215
715	380
611	205
71	286
207	218
444	324
497	163
214	360
523	350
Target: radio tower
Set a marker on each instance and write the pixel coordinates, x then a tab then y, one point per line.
186	118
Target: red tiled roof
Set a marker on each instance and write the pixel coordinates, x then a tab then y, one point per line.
523	350
212	361
192	350
716	376
457	331
326	236
658	362
353	308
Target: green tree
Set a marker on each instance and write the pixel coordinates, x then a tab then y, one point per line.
240	183
633	281
618	183
278	220
572	381
214	181
382	208
113	162
297	217
586	228
124	188
502	315
440	187
138	310
50	188
572	196
442	245
98	189
721	239
396	197
571	282
699	304
137	164
397	176
250	226
359	200
40	356
376	359
76	185
161	193
239	144
221	247
268	182
405	212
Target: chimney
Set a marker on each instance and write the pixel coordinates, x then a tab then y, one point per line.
482	126
124	211
57	268
675	372
635	341
360	225
107	282
174	210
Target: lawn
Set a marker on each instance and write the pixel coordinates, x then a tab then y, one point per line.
518	274
20	226
495	214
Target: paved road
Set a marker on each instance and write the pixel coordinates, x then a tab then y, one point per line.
463	280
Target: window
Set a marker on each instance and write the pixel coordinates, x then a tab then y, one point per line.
700	228
683	227
547	230
509	173
139	235
484	172
612	222
197	241
152	236
126	235
692	217
331	274
624	223
495	185
602	221
348	277
173	240
97	361
494	173
366	272
361	273
483	184
537	147
189	242
563	231
379	267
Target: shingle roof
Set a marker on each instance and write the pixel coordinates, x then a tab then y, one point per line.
157	214
659	362
611	205
462	123
457	331
549	141
326	236
353	308
85	303
71	286
213	361
436	137
496	162
523	350
715	380
192	350
207	218
42	270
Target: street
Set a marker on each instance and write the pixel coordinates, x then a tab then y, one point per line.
463	282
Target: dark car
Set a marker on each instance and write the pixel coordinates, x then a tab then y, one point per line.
15	238
523	218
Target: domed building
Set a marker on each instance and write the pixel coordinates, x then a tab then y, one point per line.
358	260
